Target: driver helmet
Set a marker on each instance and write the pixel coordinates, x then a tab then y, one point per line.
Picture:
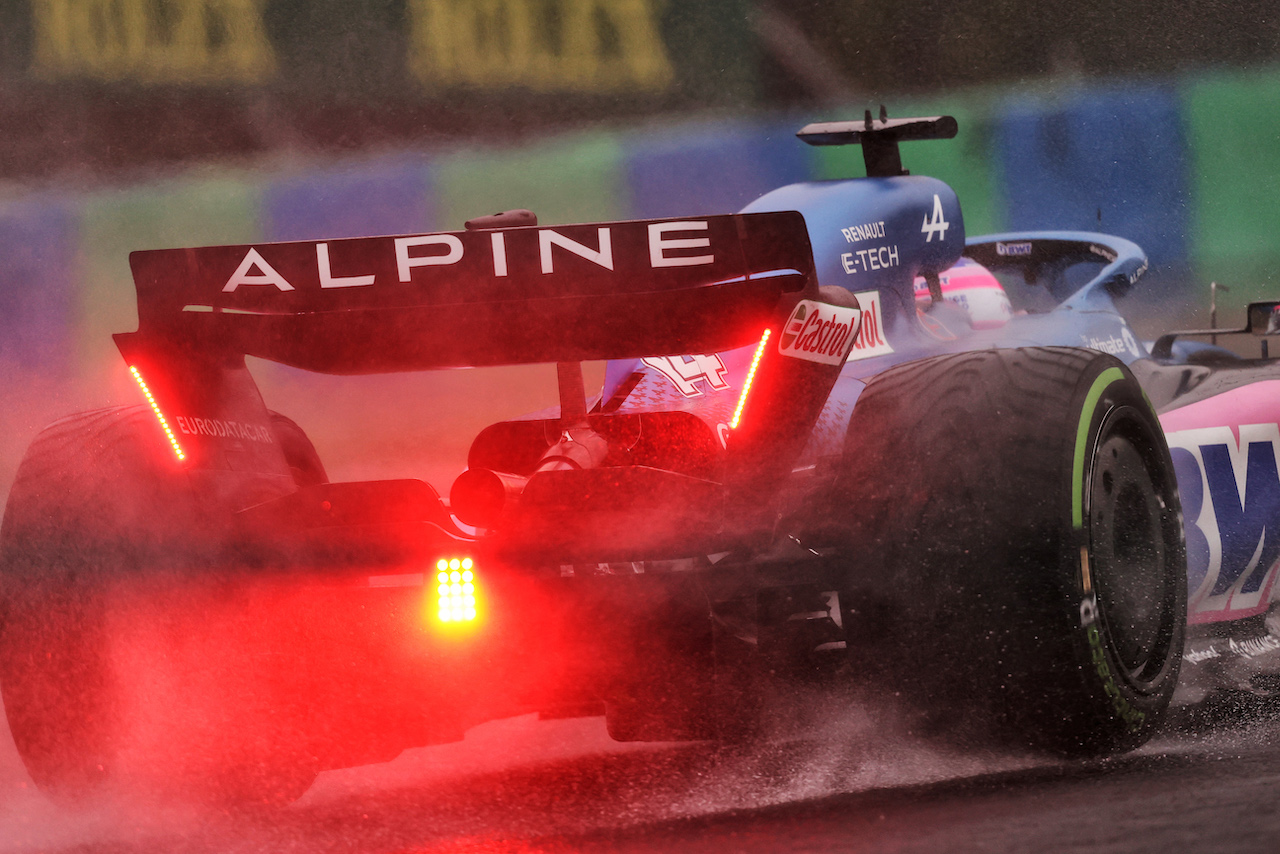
972	287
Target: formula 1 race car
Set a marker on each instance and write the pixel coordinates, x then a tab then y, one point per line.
834	442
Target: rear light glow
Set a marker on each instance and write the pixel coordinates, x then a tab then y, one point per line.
455	590
164	424
751	375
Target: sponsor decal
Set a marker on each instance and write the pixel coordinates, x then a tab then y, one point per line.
224	429
1137	274
1196	656
1088	611
1013	249
867	231
1102	251
1253	647
1230	491
669	245
870	340
1130	342
1132	717
868	260
170	42
550	46
938	225
818	332
1114	344
686	372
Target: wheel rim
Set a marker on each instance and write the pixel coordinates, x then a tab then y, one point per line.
1129	555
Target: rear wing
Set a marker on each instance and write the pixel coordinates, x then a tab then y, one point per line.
479	297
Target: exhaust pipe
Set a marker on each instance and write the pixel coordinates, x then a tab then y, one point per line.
480	496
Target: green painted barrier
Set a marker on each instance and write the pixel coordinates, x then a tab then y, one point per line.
115	223
575	180
1233	122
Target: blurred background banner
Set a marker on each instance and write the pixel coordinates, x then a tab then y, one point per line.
135	124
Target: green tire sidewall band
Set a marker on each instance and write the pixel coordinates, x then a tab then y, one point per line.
1104	379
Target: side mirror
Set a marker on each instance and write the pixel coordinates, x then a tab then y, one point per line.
1264	318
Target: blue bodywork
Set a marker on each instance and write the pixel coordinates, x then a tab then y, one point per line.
874	237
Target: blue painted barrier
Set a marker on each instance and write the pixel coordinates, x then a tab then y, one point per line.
711	169
388	197
1104	160
37	285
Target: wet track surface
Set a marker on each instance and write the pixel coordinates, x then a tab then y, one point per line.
854	784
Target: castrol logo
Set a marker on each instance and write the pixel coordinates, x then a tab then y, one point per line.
870	341
818	332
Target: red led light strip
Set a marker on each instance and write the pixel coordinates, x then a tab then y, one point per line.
177	449
751	375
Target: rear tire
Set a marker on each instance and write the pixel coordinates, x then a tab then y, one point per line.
104	552
1020	509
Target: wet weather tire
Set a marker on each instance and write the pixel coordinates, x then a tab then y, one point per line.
1020	507
106	614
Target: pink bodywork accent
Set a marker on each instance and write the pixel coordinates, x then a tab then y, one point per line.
1256	403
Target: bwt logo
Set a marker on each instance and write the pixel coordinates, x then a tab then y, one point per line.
1231	506
1013	249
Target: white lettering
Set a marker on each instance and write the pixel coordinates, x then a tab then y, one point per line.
223	429
818	332
866	231
658	245
877	258
684	371
328	280
405	262
602	256
266	274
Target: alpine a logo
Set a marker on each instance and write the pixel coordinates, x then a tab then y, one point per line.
938	225
818	332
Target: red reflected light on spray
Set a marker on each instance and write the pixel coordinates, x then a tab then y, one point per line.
751	375
455	590
155	407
